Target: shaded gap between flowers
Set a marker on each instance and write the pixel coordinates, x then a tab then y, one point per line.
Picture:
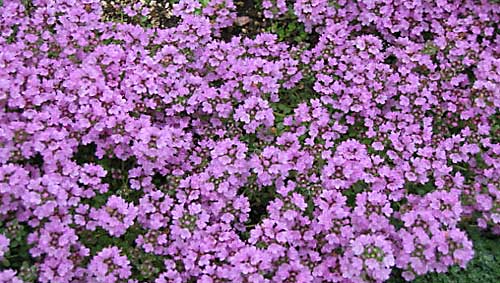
259	199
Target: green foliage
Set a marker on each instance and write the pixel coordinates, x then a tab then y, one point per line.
290	99
495	127
13	35
420	189
353	191
28	5
290	30
18	256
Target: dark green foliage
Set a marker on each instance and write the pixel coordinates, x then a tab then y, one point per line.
353	191
18	256
420	189
289	29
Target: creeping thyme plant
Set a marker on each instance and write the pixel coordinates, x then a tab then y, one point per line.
225	141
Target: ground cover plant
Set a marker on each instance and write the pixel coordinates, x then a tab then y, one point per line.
270	141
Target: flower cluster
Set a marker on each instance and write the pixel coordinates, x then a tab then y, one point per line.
274	8
192	153
253	113
115	217
109	266
4	245
430	240
368	257
9	275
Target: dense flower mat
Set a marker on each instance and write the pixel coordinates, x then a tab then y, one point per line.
177	153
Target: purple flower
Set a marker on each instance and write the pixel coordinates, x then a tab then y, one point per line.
4	245
115	217
109	266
